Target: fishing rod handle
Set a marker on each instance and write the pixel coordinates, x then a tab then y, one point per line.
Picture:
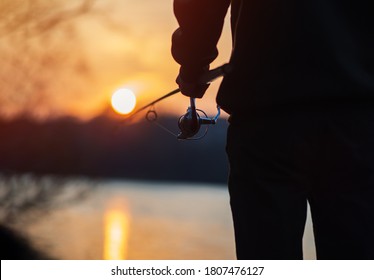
215	73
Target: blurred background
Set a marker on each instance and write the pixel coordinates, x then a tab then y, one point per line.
77	179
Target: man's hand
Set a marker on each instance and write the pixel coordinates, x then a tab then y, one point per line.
195	90
190	81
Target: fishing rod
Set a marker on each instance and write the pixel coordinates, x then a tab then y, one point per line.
191	122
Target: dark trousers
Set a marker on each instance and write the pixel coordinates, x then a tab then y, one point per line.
279	161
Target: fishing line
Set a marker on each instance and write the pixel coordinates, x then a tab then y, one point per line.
152	117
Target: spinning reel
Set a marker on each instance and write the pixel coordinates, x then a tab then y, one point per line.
191	122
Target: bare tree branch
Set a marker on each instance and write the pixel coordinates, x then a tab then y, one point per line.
24	197
36	17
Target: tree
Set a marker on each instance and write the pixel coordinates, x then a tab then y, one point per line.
24	198
38	41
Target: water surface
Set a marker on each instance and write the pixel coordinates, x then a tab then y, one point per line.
163	221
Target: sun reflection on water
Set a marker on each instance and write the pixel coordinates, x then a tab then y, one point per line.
116	233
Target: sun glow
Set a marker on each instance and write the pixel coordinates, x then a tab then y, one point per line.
123	101
116	231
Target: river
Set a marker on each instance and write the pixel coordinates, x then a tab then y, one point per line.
144	220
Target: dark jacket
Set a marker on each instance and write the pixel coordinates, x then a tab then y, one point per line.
286	53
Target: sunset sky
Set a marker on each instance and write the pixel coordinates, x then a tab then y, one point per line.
73	67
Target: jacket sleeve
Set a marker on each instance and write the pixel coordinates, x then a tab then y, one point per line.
194	43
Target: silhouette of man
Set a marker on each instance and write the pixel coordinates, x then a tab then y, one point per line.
301	102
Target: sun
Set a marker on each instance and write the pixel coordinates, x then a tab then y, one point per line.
123	101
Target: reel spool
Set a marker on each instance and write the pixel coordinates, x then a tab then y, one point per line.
191	122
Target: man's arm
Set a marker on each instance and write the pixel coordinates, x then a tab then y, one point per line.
194	43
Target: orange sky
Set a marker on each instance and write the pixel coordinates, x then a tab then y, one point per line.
123	43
